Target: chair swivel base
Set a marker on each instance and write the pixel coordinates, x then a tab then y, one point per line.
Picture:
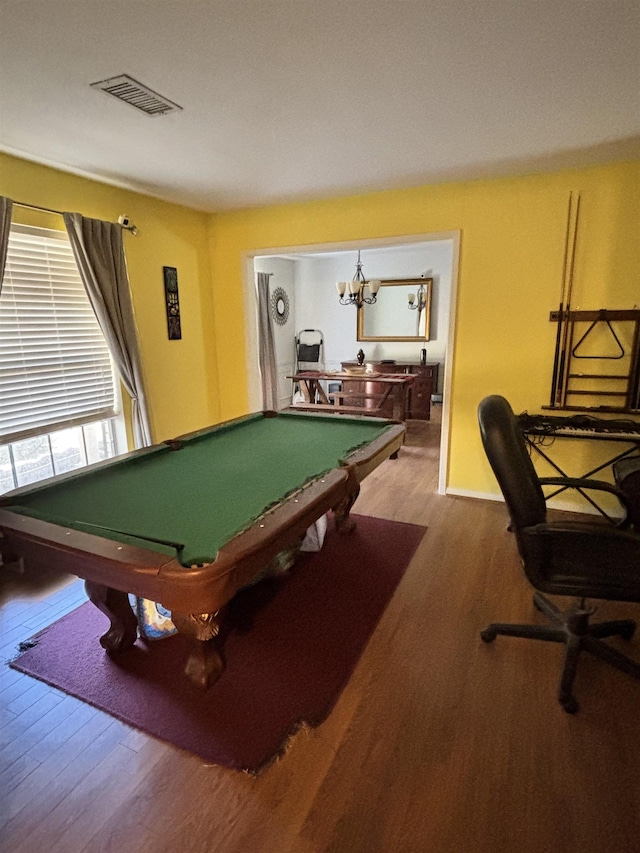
572	627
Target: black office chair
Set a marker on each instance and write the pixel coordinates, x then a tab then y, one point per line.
591	559
626	473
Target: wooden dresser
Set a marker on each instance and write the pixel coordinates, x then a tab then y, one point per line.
425	384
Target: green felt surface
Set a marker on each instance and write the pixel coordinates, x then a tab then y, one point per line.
210	489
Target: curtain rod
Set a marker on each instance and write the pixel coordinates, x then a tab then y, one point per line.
125	224
36	207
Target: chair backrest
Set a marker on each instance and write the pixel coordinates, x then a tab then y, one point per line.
309	350
507	453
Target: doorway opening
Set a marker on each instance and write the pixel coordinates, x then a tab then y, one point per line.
308	275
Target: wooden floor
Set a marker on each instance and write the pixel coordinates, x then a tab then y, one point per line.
439	743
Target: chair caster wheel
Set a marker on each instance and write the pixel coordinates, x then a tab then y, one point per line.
488	635
569	704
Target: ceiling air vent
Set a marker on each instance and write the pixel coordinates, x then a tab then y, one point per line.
127	89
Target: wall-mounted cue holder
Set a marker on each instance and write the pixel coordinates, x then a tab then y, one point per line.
598	365
172	302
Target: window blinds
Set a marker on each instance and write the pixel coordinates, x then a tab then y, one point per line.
55	367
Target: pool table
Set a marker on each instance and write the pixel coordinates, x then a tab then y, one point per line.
189	522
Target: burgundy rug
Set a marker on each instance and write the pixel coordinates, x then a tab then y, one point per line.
297	641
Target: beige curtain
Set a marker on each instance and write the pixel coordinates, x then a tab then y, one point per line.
99	253
6	206
266	346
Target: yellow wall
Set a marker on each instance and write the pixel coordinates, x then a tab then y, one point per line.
180	376
511	253
511	259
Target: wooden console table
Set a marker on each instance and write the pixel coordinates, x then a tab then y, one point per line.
419	392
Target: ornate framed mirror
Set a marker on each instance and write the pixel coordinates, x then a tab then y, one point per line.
402	312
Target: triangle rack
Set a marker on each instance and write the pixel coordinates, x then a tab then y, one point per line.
598	389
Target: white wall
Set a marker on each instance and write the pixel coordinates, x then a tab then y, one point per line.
318	308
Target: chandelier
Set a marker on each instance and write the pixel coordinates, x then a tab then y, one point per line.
417	301
352	292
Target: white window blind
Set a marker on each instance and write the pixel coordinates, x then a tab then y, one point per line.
55	366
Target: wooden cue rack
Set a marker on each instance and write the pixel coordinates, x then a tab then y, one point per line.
616	390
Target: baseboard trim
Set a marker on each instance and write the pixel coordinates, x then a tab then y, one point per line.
481	496
560	505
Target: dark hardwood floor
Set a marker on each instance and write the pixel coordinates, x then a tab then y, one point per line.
438	744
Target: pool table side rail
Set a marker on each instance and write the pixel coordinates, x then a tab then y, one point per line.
366	458
13	497
285	413
245	556
157	576
223	426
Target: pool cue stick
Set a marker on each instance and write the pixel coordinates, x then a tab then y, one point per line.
633	397
569	324
563	287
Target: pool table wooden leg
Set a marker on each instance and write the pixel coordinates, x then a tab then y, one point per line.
343	521
205	663
123	631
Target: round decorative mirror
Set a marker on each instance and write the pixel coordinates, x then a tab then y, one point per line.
280	306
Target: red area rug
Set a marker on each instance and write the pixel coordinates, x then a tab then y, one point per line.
297	641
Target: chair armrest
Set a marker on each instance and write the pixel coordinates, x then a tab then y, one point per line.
581	483
591	485
597	530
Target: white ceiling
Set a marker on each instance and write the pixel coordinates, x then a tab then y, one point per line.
313	98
